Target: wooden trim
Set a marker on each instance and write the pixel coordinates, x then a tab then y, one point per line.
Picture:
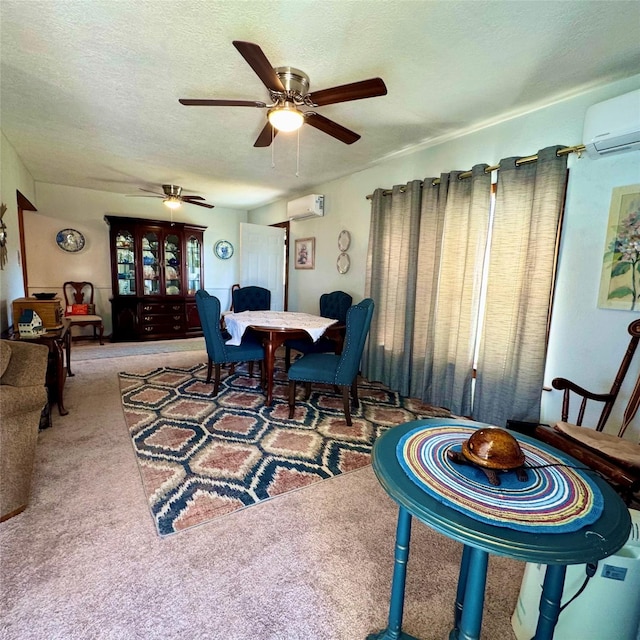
286	226
23	205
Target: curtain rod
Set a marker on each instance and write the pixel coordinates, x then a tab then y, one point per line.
579	148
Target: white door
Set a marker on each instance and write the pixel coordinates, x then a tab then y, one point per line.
262	260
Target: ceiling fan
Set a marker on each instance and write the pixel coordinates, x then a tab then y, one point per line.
289	91
173	197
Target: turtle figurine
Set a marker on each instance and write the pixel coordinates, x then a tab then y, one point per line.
492	450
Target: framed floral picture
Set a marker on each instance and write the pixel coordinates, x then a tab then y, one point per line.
620	282
305	257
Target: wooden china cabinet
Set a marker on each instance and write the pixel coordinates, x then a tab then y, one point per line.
156	269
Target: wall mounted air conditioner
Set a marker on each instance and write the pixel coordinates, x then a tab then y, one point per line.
305	207
613	125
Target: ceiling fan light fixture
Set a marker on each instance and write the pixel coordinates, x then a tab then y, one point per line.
173	202
286	117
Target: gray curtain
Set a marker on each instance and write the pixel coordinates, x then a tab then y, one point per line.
466	226
434	200
390	280
424	268
426	272
512	354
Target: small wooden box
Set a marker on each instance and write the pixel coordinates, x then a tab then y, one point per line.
50	311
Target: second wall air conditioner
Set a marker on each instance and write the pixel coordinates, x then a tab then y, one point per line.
613	125
305	207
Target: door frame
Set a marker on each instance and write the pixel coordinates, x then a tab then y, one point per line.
286	226
23	205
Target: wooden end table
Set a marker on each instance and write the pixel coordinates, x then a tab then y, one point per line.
58	342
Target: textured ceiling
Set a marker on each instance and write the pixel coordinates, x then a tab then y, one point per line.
90	88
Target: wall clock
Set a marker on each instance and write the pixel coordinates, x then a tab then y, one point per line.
223	249
70	240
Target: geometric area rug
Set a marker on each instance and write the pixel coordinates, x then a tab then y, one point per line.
201	457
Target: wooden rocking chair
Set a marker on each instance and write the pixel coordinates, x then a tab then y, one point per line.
615	458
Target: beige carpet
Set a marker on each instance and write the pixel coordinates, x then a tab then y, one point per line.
84	562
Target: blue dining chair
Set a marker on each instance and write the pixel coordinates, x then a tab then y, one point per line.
250	298
218	353
338	370
332	305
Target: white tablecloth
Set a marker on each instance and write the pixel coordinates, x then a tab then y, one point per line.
237	323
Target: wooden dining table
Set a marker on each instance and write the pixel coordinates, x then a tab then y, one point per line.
275	328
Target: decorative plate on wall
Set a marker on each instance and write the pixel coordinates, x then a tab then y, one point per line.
344	241
343	263
223	249
70	240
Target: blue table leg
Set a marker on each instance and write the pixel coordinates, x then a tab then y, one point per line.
396	605
462	585
550	601
474	576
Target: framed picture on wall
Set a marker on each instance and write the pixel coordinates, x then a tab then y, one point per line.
620	282
305	253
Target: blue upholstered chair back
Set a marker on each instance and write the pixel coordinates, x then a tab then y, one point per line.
209	312
251	299
358	321
335	305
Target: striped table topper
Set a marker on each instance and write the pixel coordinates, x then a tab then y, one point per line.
556	499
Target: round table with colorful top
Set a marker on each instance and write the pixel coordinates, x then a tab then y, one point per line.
562	514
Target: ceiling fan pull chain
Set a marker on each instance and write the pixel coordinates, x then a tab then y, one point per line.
298	156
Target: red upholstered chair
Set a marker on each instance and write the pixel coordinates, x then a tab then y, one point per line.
80	308
616	458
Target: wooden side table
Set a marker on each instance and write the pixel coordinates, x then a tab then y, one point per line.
590	543
59	367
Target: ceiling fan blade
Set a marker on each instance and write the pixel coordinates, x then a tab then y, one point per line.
155	193
266	136
355	91
139	195
199	204
332	128
256	59
188	102
192	198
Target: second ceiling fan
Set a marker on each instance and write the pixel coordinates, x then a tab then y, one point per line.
173	197
289	93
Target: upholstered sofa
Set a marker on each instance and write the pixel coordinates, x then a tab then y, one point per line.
23	395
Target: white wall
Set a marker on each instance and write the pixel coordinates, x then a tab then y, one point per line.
306	285
14	177
84	209
586	343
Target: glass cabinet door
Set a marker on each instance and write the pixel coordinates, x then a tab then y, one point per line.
150	264
172	265
193	265
126	263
